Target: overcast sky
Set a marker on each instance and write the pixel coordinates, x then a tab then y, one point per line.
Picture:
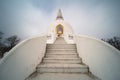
97	18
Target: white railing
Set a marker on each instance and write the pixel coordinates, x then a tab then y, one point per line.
102	59
22	60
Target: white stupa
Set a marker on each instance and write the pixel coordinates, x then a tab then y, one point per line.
60	28
60	53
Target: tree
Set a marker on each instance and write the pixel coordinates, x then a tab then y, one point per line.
1	44
12	41
7	44
115	41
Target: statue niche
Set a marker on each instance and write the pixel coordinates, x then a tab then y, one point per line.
59	30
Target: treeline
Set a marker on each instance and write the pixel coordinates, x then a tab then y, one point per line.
7	43
115	41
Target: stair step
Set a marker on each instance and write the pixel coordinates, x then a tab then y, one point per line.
51	60
62	53
73	68
62	56
61	50
60	76
61	46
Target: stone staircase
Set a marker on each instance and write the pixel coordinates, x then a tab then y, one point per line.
61	62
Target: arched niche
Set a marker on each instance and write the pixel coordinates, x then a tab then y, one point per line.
59	30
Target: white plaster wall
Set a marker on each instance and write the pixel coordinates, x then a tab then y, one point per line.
22	60
102	59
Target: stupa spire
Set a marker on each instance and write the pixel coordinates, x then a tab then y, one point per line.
59	15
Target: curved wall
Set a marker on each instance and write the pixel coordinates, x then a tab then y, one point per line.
22	60
102	59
